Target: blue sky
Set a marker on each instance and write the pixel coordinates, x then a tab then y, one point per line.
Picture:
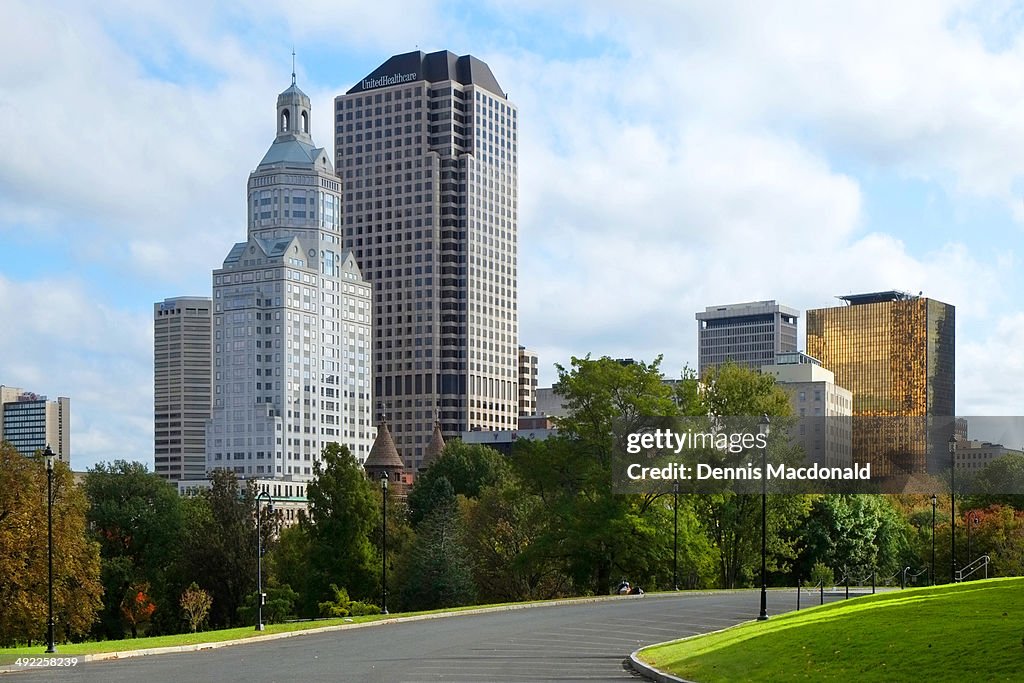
672	156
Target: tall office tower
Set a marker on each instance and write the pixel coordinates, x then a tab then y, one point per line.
896	353
749	334
291	319
181	386
426	148
528	362
29	422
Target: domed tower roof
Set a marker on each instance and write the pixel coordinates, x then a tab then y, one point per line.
293	113
293	94
383	455
434	449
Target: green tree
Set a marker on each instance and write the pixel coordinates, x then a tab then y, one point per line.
220	544
344	512
288	564
854	534
503	525
23	552
280	605
436	571
592	532
733	521
993	484
468	469
137	519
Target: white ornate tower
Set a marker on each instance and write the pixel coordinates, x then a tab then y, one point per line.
292	327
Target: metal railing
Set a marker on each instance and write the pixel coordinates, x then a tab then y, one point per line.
980	563
906	576
821	592
906	572
857	581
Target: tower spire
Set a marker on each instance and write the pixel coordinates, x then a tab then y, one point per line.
293	65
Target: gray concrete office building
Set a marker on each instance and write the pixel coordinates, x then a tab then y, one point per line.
426	148
291	320
751	334
182	386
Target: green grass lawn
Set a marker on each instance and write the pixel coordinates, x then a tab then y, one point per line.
960	632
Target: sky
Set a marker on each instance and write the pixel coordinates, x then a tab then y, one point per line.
672	156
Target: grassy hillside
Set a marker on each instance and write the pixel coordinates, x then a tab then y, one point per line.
970	631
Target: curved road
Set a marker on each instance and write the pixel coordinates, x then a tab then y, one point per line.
544	643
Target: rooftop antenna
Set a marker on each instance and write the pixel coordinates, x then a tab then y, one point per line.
293	65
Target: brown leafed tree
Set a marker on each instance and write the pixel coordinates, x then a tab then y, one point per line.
23	552
195	603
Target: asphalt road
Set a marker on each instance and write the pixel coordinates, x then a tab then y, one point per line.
547	643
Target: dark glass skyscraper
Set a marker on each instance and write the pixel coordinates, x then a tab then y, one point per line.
426	147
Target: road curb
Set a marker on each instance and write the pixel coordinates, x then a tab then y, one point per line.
655	674
648	671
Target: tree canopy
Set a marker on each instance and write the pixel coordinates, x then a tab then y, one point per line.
344	512
23	552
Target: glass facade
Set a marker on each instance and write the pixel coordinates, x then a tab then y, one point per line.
29	422
895	354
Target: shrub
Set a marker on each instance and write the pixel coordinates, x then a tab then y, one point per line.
195	603
343	606
823	573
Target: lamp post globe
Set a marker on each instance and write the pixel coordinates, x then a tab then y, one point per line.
49	457
763	429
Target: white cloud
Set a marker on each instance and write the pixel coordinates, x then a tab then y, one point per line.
686	155
61	339
996	354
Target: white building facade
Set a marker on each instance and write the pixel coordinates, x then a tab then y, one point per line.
291	319
822	408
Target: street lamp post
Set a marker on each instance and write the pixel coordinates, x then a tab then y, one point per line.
972	520
49	456
952	508
384	543
934	503
763	428
675	535
259	556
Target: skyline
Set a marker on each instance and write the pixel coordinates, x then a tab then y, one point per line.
671	158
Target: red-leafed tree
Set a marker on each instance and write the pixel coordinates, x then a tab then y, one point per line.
137	607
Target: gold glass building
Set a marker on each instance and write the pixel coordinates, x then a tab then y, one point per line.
896	353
